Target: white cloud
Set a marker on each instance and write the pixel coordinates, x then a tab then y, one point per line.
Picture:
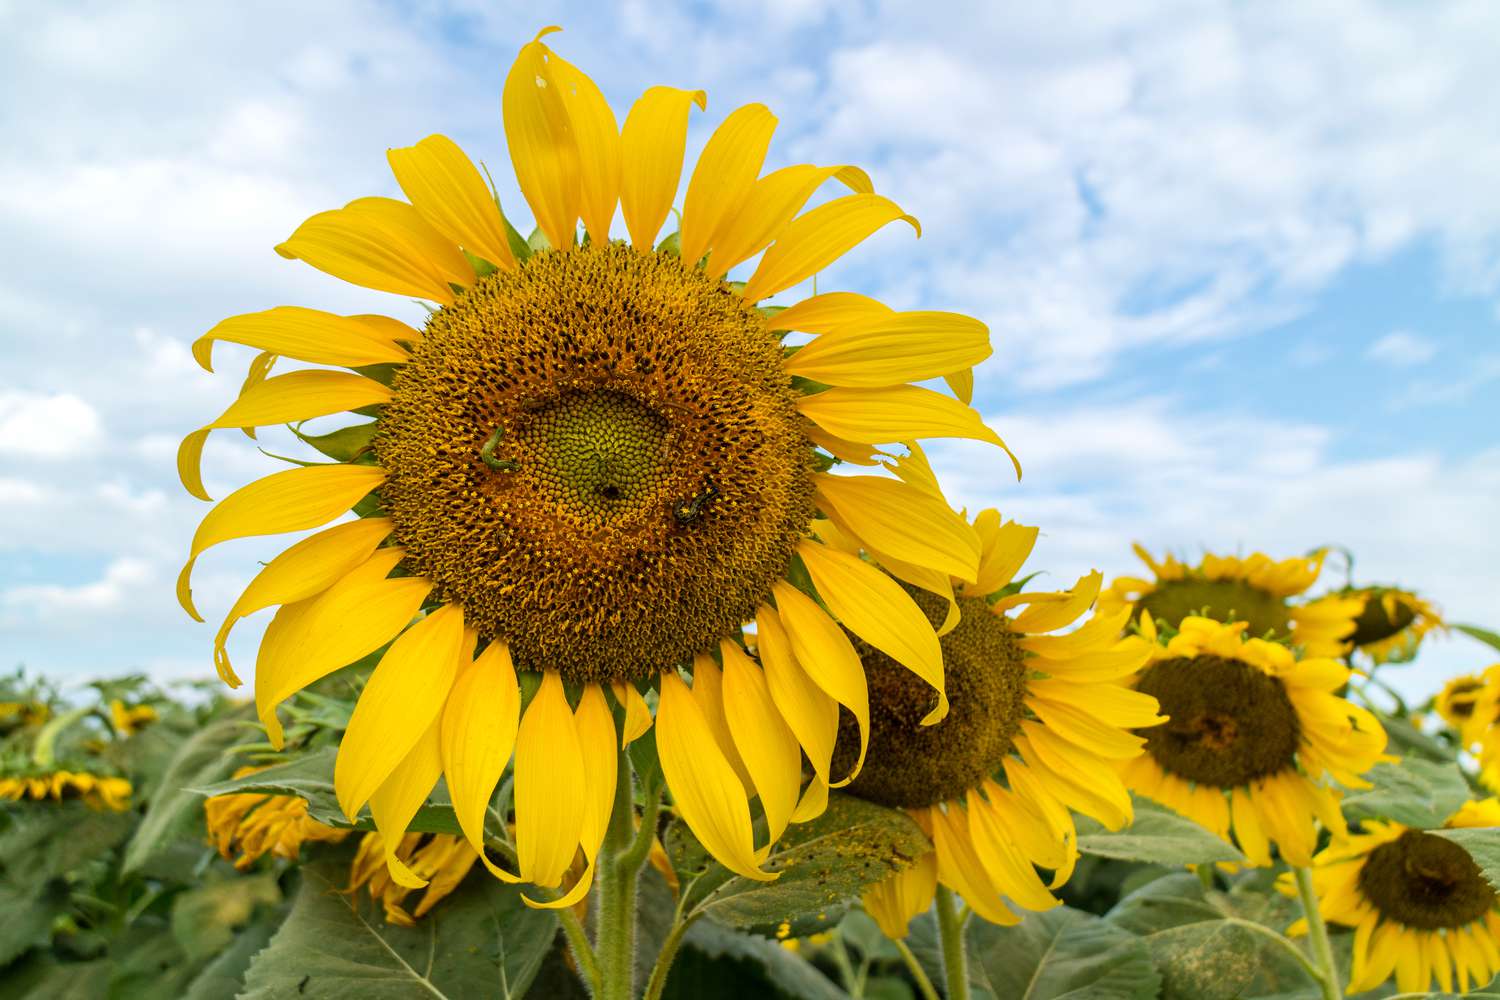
1401	349
123	578
36	425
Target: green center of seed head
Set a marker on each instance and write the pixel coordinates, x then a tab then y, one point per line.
1221	600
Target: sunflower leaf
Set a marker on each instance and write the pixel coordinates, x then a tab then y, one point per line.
1484	635
1415	792
1060	953
1157	835
1483	845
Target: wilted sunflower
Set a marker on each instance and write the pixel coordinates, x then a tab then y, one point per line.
1037	724
253	824
1419	904
439	859
596	461
1253	731
1256	590
1392	623
97	791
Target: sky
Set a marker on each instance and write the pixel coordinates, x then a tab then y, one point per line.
1240	262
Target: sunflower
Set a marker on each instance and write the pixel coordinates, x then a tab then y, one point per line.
1456	701
1419	904
254	824
596	462
1254	730
1255	590
23	714
97	791
439	859
130	720
1036	726
1392	622
1471	705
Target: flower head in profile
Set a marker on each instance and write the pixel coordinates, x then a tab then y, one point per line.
97	791
1392	622
253	824
1255	735
1419	904
1260	591
1037	726
595	462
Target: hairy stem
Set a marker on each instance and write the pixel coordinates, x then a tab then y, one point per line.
618	869
951	933
582	951
924	985
1317	934
658	981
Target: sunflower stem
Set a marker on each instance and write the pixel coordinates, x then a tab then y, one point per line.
924	985
663	964
1317	934
951	933
618	868
582	951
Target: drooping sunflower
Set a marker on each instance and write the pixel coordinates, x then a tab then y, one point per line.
1037	725
596	462
253	824
1254	733
97	791
1256	589
1392	622
1419	904
439	859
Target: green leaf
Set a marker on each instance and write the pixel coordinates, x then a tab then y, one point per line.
480	942
49	839
1200	945
343	444
1062	953
29	916
823	864
57	981
1483	845
1415	792
1157	835
1408	741
173	811
718	962
204	919
225	975
1484	635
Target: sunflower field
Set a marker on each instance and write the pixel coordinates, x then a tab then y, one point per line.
638	651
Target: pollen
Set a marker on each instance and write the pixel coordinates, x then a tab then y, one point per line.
598	456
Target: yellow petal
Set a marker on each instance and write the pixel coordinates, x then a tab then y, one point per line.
962	384
596	738
403	697
959	866
903	347
637	712
302	571
1005	550
708	692
875	608
810	713
708	794
817	238
478	733
828	657
765	742
846	451
931	580
383	244
1050	616
895	900
400	795
722	180
914	470
297	395
897	413
543	146
445	188
311	335
1083	782
769	206
814	801
894	518
830	311
314	637
285	501
551	785
652	145
598	138
996	847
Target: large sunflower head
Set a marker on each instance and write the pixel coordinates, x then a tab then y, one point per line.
1255	731
596	462
1420	906
1037	724
1256	590
1391	623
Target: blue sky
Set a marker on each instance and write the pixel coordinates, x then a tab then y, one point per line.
1240	262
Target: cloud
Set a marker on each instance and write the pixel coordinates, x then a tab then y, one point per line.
1401	349
51	426
122	579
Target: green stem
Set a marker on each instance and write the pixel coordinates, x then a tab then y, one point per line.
658	981
951	932
924	985
618	869
1206	876
46	740
583	952
852	984
1317	934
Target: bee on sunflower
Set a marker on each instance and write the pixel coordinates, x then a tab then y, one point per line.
1037	725
594	464
1256	731
1419	904
1255	589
